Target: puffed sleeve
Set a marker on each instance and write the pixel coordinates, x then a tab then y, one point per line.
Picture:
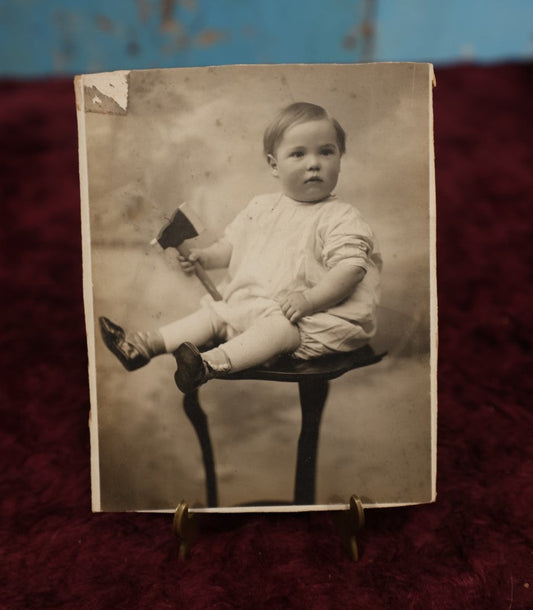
346	238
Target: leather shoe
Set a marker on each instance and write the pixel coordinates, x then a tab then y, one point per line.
115	339
192	370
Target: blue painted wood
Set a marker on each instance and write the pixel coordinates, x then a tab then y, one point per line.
65	37
45	37
455	30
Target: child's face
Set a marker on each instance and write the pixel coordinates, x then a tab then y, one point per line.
307	161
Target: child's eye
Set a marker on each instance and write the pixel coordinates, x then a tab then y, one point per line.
328	151
297	154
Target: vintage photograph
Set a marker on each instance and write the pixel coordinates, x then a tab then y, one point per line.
259	285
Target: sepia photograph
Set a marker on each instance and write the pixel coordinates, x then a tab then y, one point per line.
260	286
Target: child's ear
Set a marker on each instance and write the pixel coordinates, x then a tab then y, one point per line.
273	165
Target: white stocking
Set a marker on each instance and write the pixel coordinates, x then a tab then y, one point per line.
266	338
198	328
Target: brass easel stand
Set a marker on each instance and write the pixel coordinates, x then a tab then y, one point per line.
347	522
185	527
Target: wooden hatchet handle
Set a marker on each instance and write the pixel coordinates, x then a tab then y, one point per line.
201	274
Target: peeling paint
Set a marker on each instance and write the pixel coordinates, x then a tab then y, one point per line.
168	23
361	35
176	37
104	23
144	10
349	41
210	37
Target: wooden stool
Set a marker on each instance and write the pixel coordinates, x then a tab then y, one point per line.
313	378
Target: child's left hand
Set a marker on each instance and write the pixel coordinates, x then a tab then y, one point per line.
295	306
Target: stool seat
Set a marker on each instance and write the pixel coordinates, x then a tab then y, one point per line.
313	378
286	368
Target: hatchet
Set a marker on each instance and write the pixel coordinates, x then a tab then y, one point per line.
185	225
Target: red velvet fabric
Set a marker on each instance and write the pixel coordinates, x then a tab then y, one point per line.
471	549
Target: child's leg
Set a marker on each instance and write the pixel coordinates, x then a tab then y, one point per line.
266	338
197	328
135	350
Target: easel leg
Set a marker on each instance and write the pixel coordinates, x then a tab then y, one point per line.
185	527
198	418
313	396
348	524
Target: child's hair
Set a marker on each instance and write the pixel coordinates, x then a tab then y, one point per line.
299	112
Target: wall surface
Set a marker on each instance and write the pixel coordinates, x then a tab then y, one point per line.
62	37
454	31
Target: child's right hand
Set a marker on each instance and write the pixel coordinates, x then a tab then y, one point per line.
187	263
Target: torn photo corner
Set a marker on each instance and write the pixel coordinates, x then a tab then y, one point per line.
106	93
293	434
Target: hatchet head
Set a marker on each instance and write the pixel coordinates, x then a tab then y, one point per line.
183	225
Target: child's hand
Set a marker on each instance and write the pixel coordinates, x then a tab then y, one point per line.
296	306
187	263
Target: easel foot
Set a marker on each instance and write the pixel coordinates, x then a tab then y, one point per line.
348	524
185	527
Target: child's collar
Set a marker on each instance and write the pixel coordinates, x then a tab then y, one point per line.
328	198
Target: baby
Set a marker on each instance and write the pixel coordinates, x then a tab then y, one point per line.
303	268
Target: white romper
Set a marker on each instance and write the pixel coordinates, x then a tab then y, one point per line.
281	245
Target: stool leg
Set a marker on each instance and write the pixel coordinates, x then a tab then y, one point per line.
198	418
313	394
